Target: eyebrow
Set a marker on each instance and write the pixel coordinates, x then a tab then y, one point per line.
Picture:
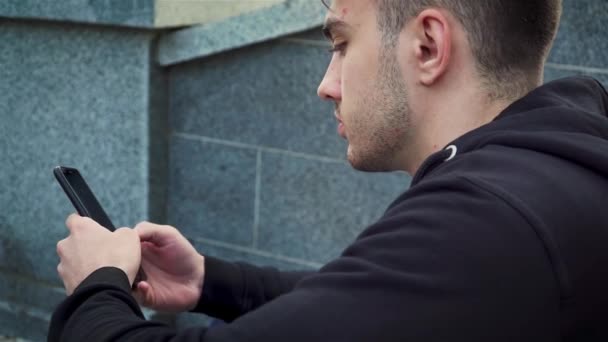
333	25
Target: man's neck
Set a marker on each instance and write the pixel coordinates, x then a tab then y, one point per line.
448	120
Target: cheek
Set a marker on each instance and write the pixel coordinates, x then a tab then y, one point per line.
358	76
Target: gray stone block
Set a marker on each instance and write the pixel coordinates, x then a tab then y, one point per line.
212	190
252	256
28	292
134	13
553	73
28	249
120	12
158	151
75	96
286	18
21	322
264	96
581	39
311	210
189	320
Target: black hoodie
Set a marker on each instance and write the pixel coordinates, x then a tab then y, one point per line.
502	236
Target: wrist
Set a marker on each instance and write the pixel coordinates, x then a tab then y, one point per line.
198	280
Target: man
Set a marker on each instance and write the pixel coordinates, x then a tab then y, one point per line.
502	235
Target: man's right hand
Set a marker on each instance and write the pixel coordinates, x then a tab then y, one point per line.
174	269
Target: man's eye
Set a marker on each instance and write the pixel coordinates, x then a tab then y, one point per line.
338	48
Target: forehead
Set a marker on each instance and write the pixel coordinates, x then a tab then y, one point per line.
348	10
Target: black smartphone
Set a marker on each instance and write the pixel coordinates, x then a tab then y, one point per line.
85	202
81	196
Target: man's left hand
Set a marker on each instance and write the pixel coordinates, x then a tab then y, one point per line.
91	246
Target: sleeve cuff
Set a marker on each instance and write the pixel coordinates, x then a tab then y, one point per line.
107	276
222	289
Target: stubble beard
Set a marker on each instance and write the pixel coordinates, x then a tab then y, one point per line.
381	129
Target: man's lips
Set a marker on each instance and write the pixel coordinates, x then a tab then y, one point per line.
341	128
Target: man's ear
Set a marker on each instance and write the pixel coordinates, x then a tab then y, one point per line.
433	45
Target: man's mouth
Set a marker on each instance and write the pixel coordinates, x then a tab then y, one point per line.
341	129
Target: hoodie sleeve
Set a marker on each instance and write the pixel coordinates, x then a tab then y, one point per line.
449	261
233	289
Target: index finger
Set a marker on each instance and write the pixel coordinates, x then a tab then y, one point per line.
72	221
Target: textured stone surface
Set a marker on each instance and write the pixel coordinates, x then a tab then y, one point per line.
26	291
134	13
22	323
265	95
26	306
189	319
581	39
158	128
311	210
180	13
251	256
75	96
289	17
553	73
119	12
212	190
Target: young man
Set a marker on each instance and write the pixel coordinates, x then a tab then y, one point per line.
502	236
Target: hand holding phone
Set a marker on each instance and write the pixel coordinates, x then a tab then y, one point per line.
86	204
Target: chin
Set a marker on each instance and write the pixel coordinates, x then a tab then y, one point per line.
361	163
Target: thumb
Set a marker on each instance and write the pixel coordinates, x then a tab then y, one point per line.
143	294
154	233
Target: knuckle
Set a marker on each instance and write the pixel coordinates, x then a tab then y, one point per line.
142	224
69	222
170	228
74	224
123	230
84	220
69	219
126	231
60	247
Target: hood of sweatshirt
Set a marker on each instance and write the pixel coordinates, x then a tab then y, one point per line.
566	118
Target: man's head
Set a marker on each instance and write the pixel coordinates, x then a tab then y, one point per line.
409	74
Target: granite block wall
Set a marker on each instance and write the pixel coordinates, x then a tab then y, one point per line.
120	12
69	95
581	46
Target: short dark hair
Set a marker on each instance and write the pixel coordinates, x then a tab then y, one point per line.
510	39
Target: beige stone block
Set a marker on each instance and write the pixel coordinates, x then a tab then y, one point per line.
172	13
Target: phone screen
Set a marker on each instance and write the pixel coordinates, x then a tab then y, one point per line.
81	195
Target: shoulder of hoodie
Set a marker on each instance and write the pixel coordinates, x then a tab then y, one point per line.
488	169
527	183
517	173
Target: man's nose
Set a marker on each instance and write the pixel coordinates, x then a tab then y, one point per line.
329	89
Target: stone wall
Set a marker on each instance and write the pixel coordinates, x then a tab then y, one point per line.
71	95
